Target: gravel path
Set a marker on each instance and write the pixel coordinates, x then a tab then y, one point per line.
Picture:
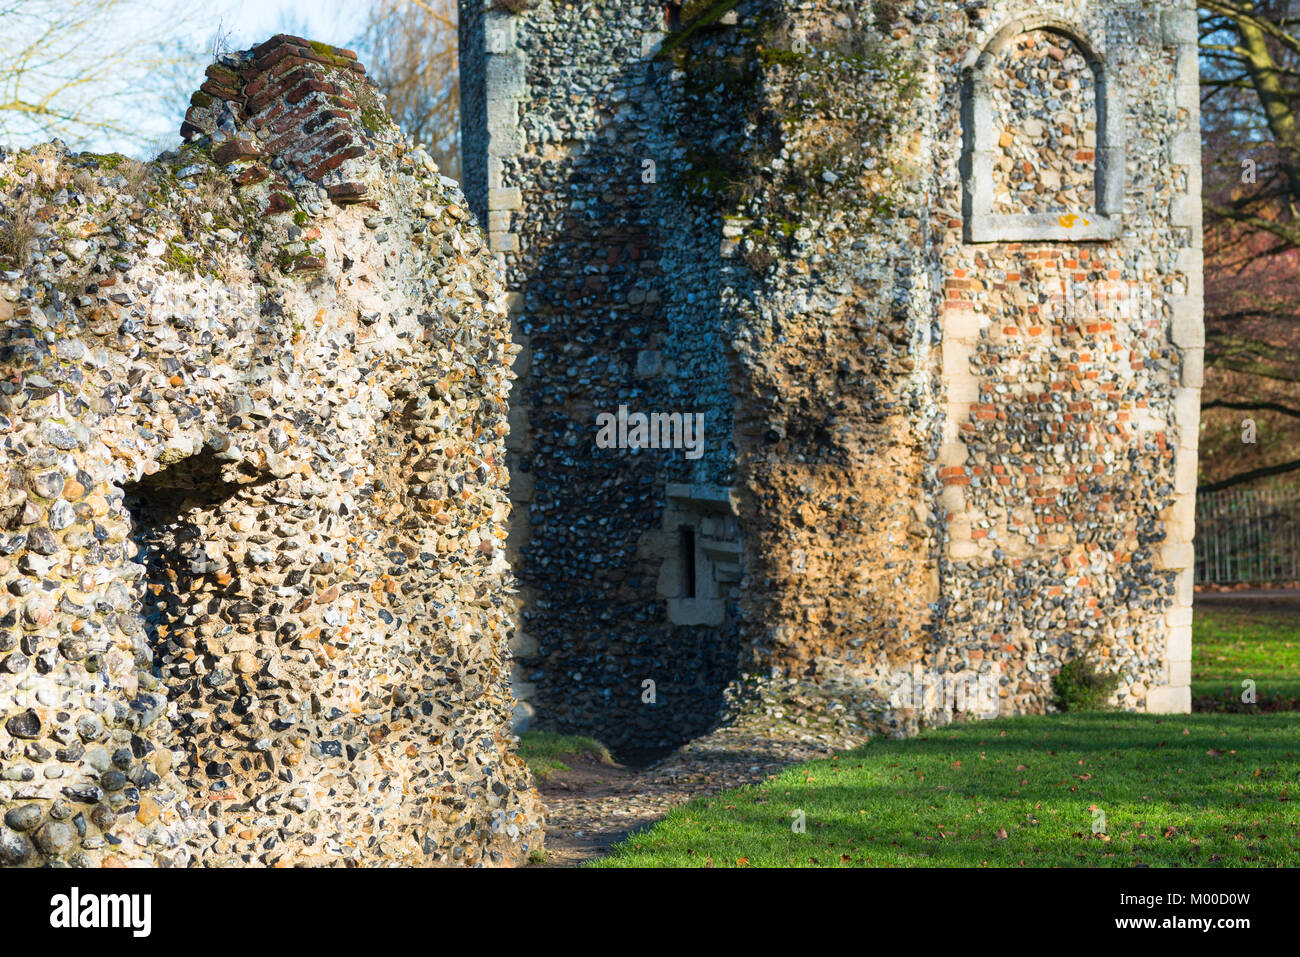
595	805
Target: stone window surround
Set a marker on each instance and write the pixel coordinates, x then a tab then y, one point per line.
985	226
717	560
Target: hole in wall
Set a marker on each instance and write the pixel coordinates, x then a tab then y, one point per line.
171	511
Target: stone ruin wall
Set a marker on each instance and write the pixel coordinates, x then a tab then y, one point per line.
831	311
1049	456
929	456
253	494
614	288
1072	370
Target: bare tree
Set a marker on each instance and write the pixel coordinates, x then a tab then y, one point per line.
1250	119
89	70
1251	81
409	47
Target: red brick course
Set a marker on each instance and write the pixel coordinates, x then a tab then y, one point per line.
304	94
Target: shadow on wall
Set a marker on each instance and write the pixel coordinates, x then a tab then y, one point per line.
172	513
594	267
168	511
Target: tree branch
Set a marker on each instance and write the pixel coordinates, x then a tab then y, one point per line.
1241	478
1280	230
1251	407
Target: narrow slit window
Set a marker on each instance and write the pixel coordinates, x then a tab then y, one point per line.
687	542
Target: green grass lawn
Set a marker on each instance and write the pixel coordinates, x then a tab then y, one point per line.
1218	788
1201	790
1230	644
544	751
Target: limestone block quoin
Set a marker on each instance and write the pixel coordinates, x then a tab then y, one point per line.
253	497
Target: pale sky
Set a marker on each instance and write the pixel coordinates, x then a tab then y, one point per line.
150	103
336	22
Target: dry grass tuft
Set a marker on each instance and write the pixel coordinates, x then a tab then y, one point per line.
17	233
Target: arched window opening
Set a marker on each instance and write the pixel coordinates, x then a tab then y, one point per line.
1043	134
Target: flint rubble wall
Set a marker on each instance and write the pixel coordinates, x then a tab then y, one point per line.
932	271
253	497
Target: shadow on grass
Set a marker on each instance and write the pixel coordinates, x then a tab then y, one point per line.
1101	789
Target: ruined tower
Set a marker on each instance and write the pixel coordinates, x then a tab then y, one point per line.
930	272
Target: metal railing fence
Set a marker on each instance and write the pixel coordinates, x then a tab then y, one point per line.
1248	535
